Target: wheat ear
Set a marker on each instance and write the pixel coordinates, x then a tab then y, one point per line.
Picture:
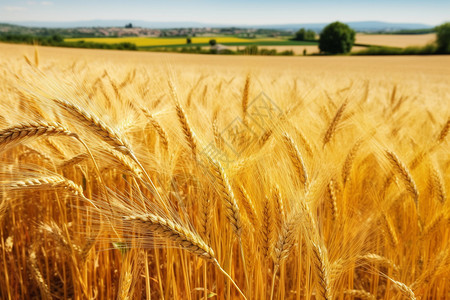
265	137
161	132
187	131
333	125
390	231
438	184
105	132
172	231
280	216
249	207
266	232
227	195
57	234
21	132
129	164
205	218
232	209
74	160
56	181
286	241
296	159
433	225
438	266
444	132
320	262
332	200
182	118
218	140
377	259
43	287
360	294
177	234
401	169
306	144
245	97
404	289
347	167
32	151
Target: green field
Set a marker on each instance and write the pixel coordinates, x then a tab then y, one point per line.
144	42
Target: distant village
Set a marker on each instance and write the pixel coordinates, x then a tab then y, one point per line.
130	30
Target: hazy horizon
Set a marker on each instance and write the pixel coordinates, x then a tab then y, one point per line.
232	12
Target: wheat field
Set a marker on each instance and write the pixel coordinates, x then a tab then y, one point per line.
131	175
396	40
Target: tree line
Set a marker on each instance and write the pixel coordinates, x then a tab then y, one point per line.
338	38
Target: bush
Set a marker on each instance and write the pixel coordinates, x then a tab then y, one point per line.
443	38
305	35
251	50
268	51
287	53
212	42
336	38
413	50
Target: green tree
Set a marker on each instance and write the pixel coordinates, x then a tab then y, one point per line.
336	38
212	42
305	35
443	38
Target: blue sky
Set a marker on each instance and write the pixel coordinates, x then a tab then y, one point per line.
228	12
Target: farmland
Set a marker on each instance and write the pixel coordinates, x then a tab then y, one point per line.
136	175
280	44
144	42
395	40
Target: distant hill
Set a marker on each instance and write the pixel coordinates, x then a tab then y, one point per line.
366	26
